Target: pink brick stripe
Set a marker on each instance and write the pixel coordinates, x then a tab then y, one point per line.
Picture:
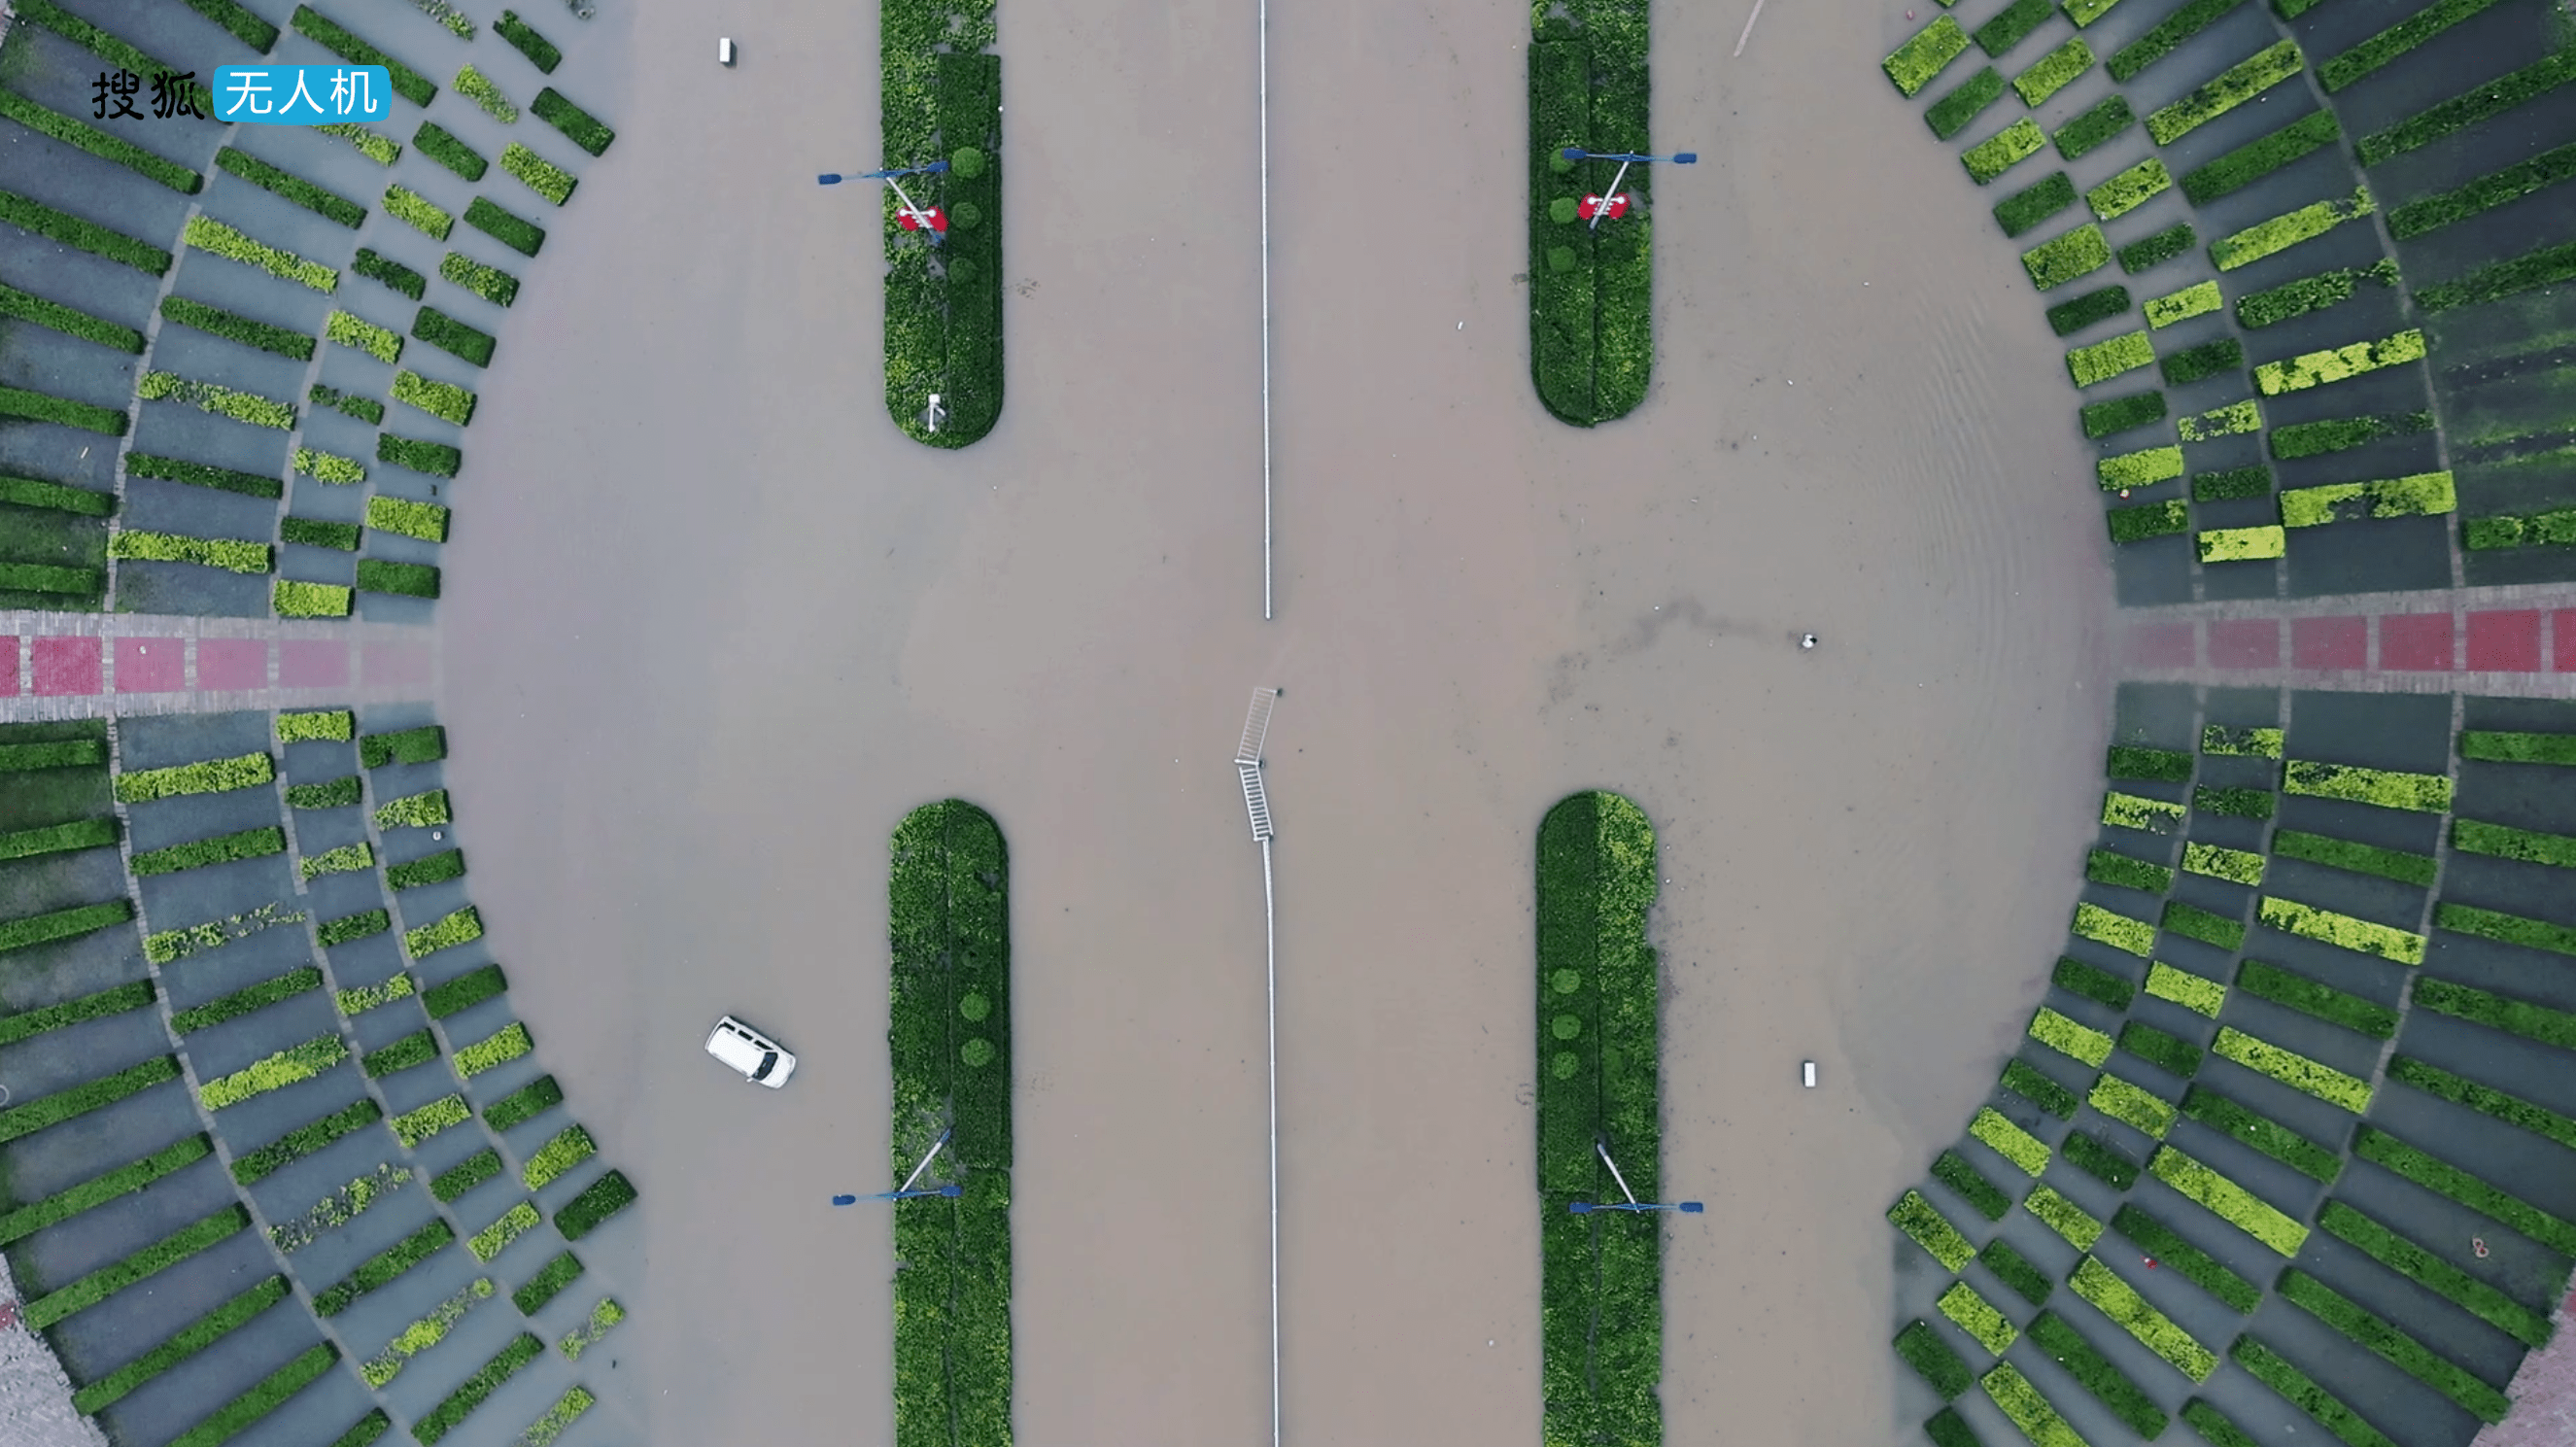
151	665
76	665
231	665
2510	639
68	666
2321	643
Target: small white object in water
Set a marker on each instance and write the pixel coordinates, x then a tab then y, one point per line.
1808	1072
724	52
1807	642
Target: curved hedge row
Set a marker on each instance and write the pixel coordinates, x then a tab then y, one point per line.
949	1042
1592	343
1601	1273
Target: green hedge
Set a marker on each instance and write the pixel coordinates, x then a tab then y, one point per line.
2499	1012
70	321
602	1199
438	459
2507	748
1912	65
2231	88
2262	1133
2105	360
2104	1290
2261	157
2172	31
276	1071
943	322
2443	1178
2157	1047
2149	520
450	335
2545	266
439	144
2069	317
2228	1201
426	521
2187	1261
2360	858
303	1141
44	407
99	1285
392	273
222	849
426	744
2036	1086
2099	125
1966	101
383	150
2198	299
417	1048
524	1104
410	84
365	409
236	328
72	131
2122	414
216	239
1947	1428
197	474
2106	1163
2129	189
365	1431
2196	923
1954	1171
540	175
2226	354
63	1205
435	869
1921	1346
273	1391
419	212
2280	233
466	990
2003	150
568	1148
415	811
549	1280
2497	188
2147	253
187	1342
2269	1368
2271	982
540	51
2054	71
2316	439
336	794
465	1175
2367	57
477	87
578	125
460	1404
82	753
2016	1271
488	282
62	924
2393	1345
2233	803
327	204
382	1268
2388	789
362	925
2513	1110
82	235
2074	255
2026	208
2531	1328
58	839
2093	983
2029	1411
2230	482
243	1002
315	533
2506	928
49	578
515	232
445	932
2104	866
2469	108
115	1000
2012	25
55	497
2096	1374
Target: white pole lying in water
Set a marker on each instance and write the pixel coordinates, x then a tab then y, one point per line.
1271	930
1262	10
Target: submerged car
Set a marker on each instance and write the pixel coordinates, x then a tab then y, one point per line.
760	1059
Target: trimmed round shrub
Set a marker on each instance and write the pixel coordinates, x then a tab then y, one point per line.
974	1006
977	1052
1560	258
1565	1064
1562	209
966	216
966	161
1557	163
1565	1027
1566	981
961	268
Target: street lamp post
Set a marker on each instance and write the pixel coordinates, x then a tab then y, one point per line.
923	216
1625	160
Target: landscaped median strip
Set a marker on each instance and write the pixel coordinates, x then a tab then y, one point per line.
2412	1261
2227	1200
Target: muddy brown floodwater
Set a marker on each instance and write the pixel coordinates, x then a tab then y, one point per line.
713	627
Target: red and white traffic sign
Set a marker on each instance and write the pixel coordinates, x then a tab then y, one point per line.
1614	208
929	218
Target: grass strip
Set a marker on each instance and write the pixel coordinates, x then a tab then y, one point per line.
2193	922
2368	56
2499	1012
2262	1133
187	1342
2513	1110
2031	1084
2336	364
54	497
570	1147
89	236
75	132
329	205
2292	1069
1969	1310
2394	864
99	1285
2227	1200
63	1205
365	409
2015	1270
2505	928
1966	101
1940	1367
222	849
216	239
578	126
1924	55
2103	1289
2188	1261
408	83
2003	150
2269	1368
542	1094
549	1280
2054	72
2443	1178
465	1175
2098	126
21	1121
336	794
2469	108
2393	1345
2063	1216
2498	841
517	233
2225	175
63	838
2226	91
2280	233
2129	60
2270	982
2307	294
45	407
2497	188
2026	208
2092	983
273	1391
2225	354
2028	1410
598	1201
469	989
2418	1265
460	1404
2103	1162
2510	748
540	51
61	924
303	1141
70	321
2104	866
244	1001
2339	434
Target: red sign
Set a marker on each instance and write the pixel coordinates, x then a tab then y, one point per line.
931	218
1614	208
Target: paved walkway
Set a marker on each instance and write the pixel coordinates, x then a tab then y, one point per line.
2543	1392
2518	640
89	665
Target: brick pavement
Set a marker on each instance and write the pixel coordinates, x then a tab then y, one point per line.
88	665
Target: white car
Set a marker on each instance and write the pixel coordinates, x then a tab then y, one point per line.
759	1058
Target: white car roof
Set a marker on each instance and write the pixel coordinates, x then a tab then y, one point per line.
733	1044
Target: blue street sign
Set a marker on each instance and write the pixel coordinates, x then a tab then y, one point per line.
301	95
